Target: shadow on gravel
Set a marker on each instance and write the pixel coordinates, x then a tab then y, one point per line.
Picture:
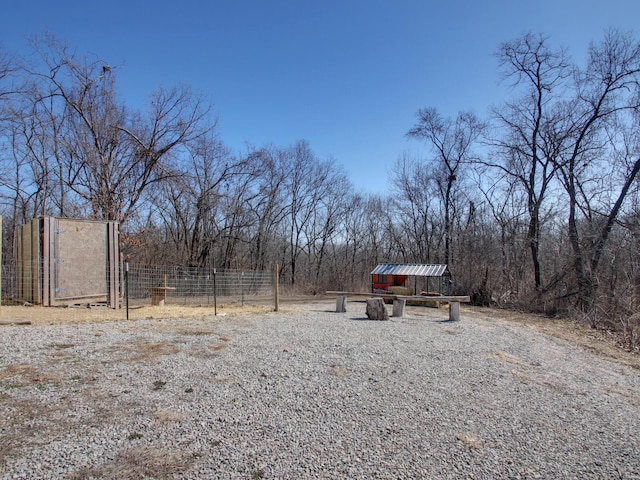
367	319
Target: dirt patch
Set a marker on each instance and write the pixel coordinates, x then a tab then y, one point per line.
471	440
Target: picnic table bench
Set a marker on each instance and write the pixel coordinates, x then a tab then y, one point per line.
453	300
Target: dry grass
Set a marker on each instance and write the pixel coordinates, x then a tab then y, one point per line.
339	371
37	315
137	463
471	440
164	415
149	352
601	342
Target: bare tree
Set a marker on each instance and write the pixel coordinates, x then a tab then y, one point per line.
9	81
111	156
527	142
303	189
324	230
506	213
602	137
419	219
268	205
191	202
452	142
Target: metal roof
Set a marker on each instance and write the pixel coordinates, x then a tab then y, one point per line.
415	269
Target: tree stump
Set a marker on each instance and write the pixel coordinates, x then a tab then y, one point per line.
376	309
398	307
341	304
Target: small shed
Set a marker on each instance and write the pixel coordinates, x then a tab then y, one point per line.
426	277
62	261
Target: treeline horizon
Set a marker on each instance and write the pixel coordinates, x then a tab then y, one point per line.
536	205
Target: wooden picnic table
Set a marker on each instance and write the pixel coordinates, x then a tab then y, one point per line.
453	300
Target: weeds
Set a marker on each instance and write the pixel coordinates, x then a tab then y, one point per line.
631	332
159	385
257	474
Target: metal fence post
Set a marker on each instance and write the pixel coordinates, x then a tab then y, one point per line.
242	289
126	287
276	287
215	294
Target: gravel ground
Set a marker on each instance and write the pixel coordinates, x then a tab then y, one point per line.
310	393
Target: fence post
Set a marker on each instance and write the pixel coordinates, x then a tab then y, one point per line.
126	287
242	289
215	294
276	287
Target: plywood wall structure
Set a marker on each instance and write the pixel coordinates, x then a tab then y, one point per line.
62	261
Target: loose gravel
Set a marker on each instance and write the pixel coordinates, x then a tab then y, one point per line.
310	393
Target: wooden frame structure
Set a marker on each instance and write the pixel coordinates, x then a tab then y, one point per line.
62	261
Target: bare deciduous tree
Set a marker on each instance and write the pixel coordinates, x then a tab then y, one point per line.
599	160
526	145
452	143
418	216
109	155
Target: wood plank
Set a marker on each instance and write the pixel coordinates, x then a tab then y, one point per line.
113	269
362	294
35	261
442	298
48	265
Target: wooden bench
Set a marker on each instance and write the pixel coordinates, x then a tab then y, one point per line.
454	301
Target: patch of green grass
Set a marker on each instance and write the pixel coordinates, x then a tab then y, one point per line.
257	474
11	385
159	385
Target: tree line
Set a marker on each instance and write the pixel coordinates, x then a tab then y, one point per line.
534	204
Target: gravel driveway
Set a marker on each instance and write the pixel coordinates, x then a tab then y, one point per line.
310	393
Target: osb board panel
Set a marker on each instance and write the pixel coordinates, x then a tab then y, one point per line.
28	256
80	259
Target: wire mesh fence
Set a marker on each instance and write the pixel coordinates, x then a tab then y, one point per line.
197	286
153	284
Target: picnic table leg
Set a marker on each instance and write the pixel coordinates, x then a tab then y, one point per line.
454	311
398	307
341	304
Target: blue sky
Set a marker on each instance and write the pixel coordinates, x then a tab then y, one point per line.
348	76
